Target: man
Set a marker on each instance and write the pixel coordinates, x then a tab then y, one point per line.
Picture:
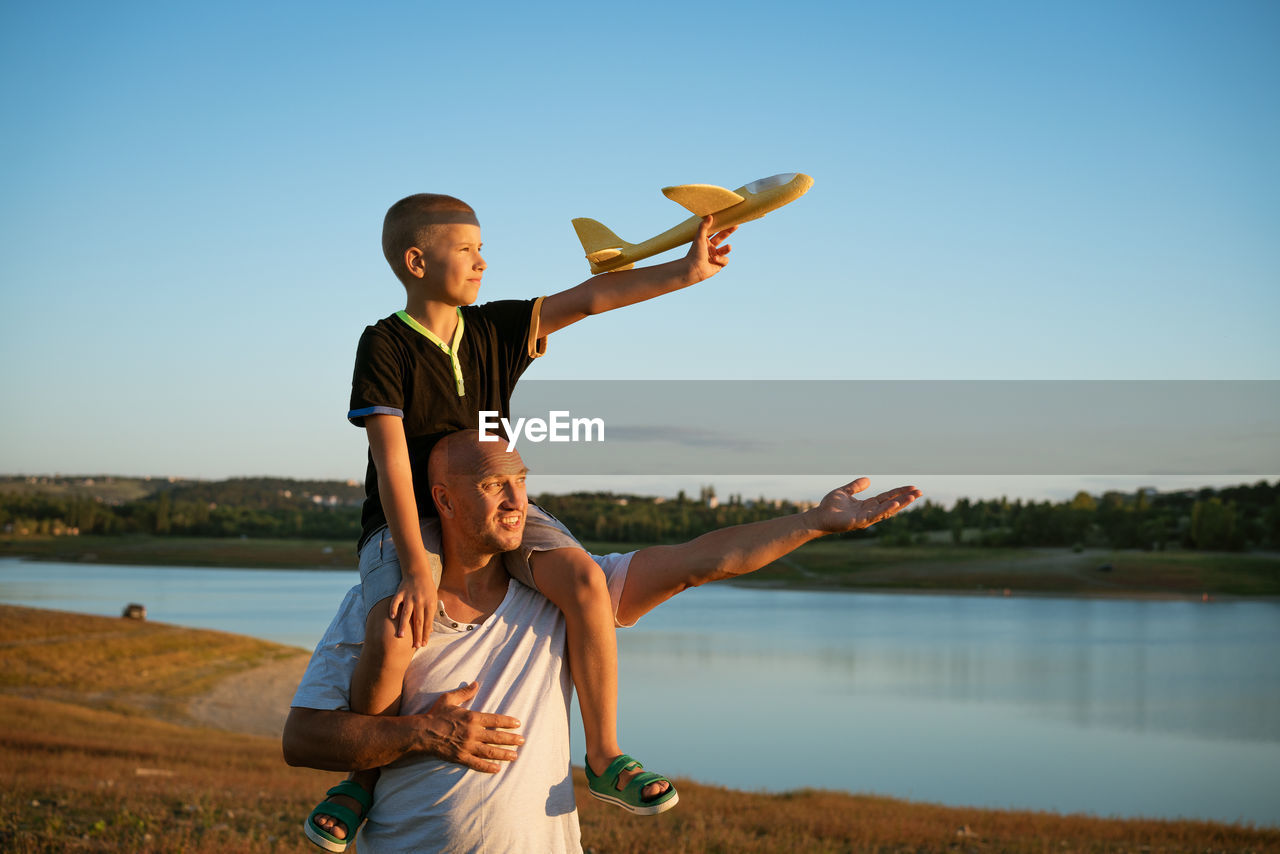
454	783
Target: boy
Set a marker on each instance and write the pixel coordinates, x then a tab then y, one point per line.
430	370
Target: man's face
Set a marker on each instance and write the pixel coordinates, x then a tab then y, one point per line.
452	264
490	505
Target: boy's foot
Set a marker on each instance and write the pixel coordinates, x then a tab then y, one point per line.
625	783
334	821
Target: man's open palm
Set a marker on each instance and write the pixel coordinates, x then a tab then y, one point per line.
840	511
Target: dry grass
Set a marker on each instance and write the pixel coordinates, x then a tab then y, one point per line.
711	820
127	665
81	779
88	767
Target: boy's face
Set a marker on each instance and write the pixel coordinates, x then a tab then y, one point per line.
450	264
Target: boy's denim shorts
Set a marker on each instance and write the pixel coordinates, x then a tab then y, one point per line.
380	565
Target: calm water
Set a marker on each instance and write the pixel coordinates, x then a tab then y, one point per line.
1108	707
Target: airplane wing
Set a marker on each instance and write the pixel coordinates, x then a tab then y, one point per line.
702	199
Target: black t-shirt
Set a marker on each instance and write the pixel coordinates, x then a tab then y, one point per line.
403	370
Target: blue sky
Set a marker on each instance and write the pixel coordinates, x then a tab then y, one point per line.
191	195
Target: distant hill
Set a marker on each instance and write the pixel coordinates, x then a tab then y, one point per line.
1237	518
251	506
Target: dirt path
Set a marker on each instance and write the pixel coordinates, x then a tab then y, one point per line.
255	701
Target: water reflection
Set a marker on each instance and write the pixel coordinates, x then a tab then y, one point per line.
1107	707
1179	667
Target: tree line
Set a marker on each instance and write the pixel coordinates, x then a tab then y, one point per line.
1233	518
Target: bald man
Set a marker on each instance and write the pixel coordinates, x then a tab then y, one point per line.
453	782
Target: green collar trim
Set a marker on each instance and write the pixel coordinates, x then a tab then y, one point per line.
450	351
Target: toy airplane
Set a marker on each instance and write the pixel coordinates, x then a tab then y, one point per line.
606	251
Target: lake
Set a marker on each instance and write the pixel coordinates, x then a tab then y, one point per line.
1109	707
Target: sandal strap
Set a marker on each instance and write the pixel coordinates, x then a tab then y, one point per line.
357	793
616	768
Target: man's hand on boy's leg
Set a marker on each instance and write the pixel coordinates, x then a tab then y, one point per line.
706	256
840	511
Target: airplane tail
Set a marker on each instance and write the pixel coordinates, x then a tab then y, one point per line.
598	242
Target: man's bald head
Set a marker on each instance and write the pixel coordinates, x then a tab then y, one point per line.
462	454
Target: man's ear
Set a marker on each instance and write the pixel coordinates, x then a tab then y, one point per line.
440	496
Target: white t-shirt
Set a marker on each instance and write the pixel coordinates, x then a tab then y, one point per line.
517	656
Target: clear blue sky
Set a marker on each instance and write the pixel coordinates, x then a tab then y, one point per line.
191	196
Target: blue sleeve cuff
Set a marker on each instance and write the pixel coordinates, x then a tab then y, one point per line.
356	416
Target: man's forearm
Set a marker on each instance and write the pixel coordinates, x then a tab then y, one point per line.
660	572
346	741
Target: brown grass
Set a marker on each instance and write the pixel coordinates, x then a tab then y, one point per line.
87	766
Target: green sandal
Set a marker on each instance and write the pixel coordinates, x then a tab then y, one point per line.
630	798
324	838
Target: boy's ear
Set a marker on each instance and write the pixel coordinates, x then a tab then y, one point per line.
414	262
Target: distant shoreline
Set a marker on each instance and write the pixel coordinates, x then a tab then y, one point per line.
832	564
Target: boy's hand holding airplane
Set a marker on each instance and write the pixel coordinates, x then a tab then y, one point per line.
706	256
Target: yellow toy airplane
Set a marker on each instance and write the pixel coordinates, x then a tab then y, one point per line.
606	251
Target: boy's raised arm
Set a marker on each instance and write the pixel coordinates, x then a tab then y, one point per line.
414	604
608	291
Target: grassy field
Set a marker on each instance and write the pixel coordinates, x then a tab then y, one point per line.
836	564
826	564
186	551
98	755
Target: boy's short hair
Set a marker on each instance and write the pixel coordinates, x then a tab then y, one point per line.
408	223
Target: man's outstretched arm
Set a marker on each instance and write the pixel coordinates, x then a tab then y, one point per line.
660	572
346	741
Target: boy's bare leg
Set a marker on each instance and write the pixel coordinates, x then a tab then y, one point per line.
573	581
376	687
378	680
